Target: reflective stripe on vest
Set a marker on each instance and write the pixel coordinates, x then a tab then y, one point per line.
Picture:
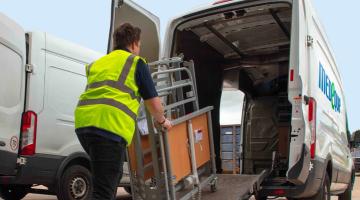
119	84
109	102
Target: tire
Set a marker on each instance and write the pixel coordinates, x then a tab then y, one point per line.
13	192
260	198
348	192
75	184
346	195
324	192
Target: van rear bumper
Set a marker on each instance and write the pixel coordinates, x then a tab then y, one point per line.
7	163
309	189
38	169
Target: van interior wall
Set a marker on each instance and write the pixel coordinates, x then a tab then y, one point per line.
208	76
267	117
266	122
254	43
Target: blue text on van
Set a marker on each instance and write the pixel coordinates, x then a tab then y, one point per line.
328	88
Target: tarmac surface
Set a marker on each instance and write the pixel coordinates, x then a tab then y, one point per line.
122	195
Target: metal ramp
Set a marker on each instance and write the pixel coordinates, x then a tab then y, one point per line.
235	187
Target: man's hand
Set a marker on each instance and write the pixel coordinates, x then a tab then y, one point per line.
167	124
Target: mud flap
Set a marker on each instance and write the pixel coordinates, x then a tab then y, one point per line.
299	173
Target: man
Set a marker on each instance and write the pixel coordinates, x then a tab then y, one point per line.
106	114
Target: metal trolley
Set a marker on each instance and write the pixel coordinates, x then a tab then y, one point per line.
179	163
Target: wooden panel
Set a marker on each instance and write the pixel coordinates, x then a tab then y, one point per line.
202	148
147	158
179	151
179	147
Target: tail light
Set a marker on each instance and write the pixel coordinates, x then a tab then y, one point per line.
28	133
278	192
312	121
292	75
221	1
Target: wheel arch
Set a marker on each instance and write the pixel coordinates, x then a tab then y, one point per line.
80	158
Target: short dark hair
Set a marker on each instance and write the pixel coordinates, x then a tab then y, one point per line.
125	35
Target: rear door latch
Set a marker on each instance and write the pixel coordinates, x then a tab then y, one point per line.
309	40
21	161
29	68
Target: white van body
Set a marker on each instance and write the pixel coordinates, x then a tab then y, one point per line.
43	76
317	157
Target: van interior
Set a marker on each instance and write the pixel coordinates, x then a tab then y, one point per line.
246	49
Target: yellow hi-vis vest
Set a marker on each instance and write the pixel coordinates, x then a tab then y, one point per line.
111	100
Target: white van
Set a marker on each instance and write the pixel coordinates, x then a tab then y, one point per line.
276	53
41	79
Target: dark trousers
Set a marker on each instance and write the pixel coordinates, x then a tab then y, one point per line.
107	159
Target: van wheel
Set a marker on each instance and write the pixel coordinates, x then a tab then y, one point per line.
324	192
260	198
348	192
346	195
13	192
75	184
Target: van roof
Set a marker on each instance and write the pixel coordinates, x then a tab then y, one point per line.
12	34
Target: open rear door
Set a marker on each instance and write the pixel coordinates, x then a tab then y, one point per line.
299	152
12	85
126	11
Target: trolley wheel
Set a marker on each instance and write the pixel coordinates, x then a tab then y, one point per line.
128	189
213	185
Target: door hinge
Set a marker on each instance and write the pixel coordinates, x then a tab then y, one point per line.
21	161
118	3
309	40
29	68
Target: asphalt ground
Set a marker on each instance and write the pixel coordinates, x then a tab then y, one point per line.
122	195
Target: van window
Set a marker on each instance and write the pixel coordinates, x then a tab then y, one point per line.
231	107
10	77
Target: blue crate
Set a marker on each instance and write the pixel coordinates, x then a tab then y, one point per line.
229	147
228	165
229	155
229	138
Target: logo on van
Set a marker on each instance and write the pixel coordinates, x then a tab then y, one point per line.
328	88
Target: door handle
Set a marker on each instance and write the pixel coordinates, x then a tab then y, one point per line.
2	143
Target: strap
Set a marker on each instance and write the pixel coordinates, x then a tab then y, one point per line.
114	84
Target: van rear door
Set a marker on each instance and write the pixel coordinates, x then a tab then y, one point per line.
12	87
126	11
299	152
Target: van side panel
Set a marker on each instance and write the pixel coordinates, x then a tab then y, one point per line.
326	88
64	81
12	90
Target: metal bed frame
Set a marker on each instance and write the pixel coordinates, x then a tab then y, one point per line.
175	83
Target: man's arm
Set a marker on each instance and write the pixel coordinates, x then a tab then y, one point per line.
156	109
148	93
